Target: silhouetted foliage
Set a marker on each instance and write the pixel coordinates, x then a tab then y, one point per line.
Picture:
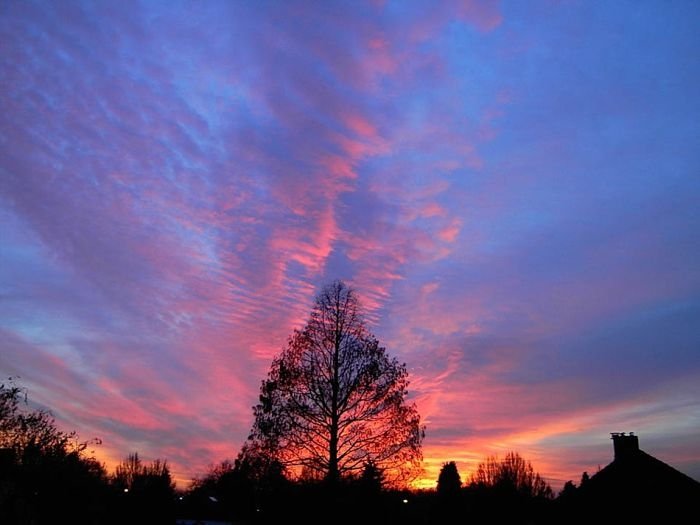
127	472
569	490
224	493
585	478
448	501
511	474
449	481
252	486
147	491
214	478
254	464
508	490
372	478
46	475
334	400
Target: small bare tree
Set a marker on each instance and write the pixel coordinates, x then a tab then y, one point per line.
513	474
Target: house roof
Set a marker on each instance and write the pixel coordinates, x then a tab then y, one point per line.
635	487
639	473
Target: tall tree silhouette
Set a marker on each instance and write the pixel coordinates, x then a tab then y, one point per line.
449	481
334	400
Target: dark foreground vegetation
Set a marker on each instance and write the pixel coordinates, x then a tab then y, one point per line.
48	477
231	492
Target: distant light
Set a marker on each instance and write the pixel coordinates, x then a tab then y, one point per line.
213	499
126	490
180	498
405	501
257	510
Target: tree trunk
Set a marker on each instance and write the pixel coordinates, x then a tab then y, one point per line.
333	472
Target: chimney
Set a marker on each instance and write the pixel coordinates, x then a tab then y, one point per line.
625	445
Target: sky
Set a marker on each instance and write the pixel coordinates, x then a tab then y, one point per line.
512	188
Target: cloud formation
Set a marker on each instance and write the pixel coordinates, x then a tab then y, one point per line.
512	190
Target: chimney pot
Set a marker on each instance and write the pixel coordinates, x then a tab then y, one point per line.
625	445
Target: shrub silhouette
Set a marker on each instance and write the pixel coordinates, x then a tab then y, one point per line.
449	481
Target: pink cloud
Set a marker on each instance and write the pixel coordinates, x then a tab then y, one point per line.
338	166
361	126
450	232
433	209
484	14
381	60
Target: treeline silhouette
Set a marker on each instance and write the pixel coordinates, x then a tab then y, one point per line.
501	491
48	476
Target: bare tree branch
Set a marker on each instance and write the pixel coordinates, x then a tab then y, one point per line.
335	401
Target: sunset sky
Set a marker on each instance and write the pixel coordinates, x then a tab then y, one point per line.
513	189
